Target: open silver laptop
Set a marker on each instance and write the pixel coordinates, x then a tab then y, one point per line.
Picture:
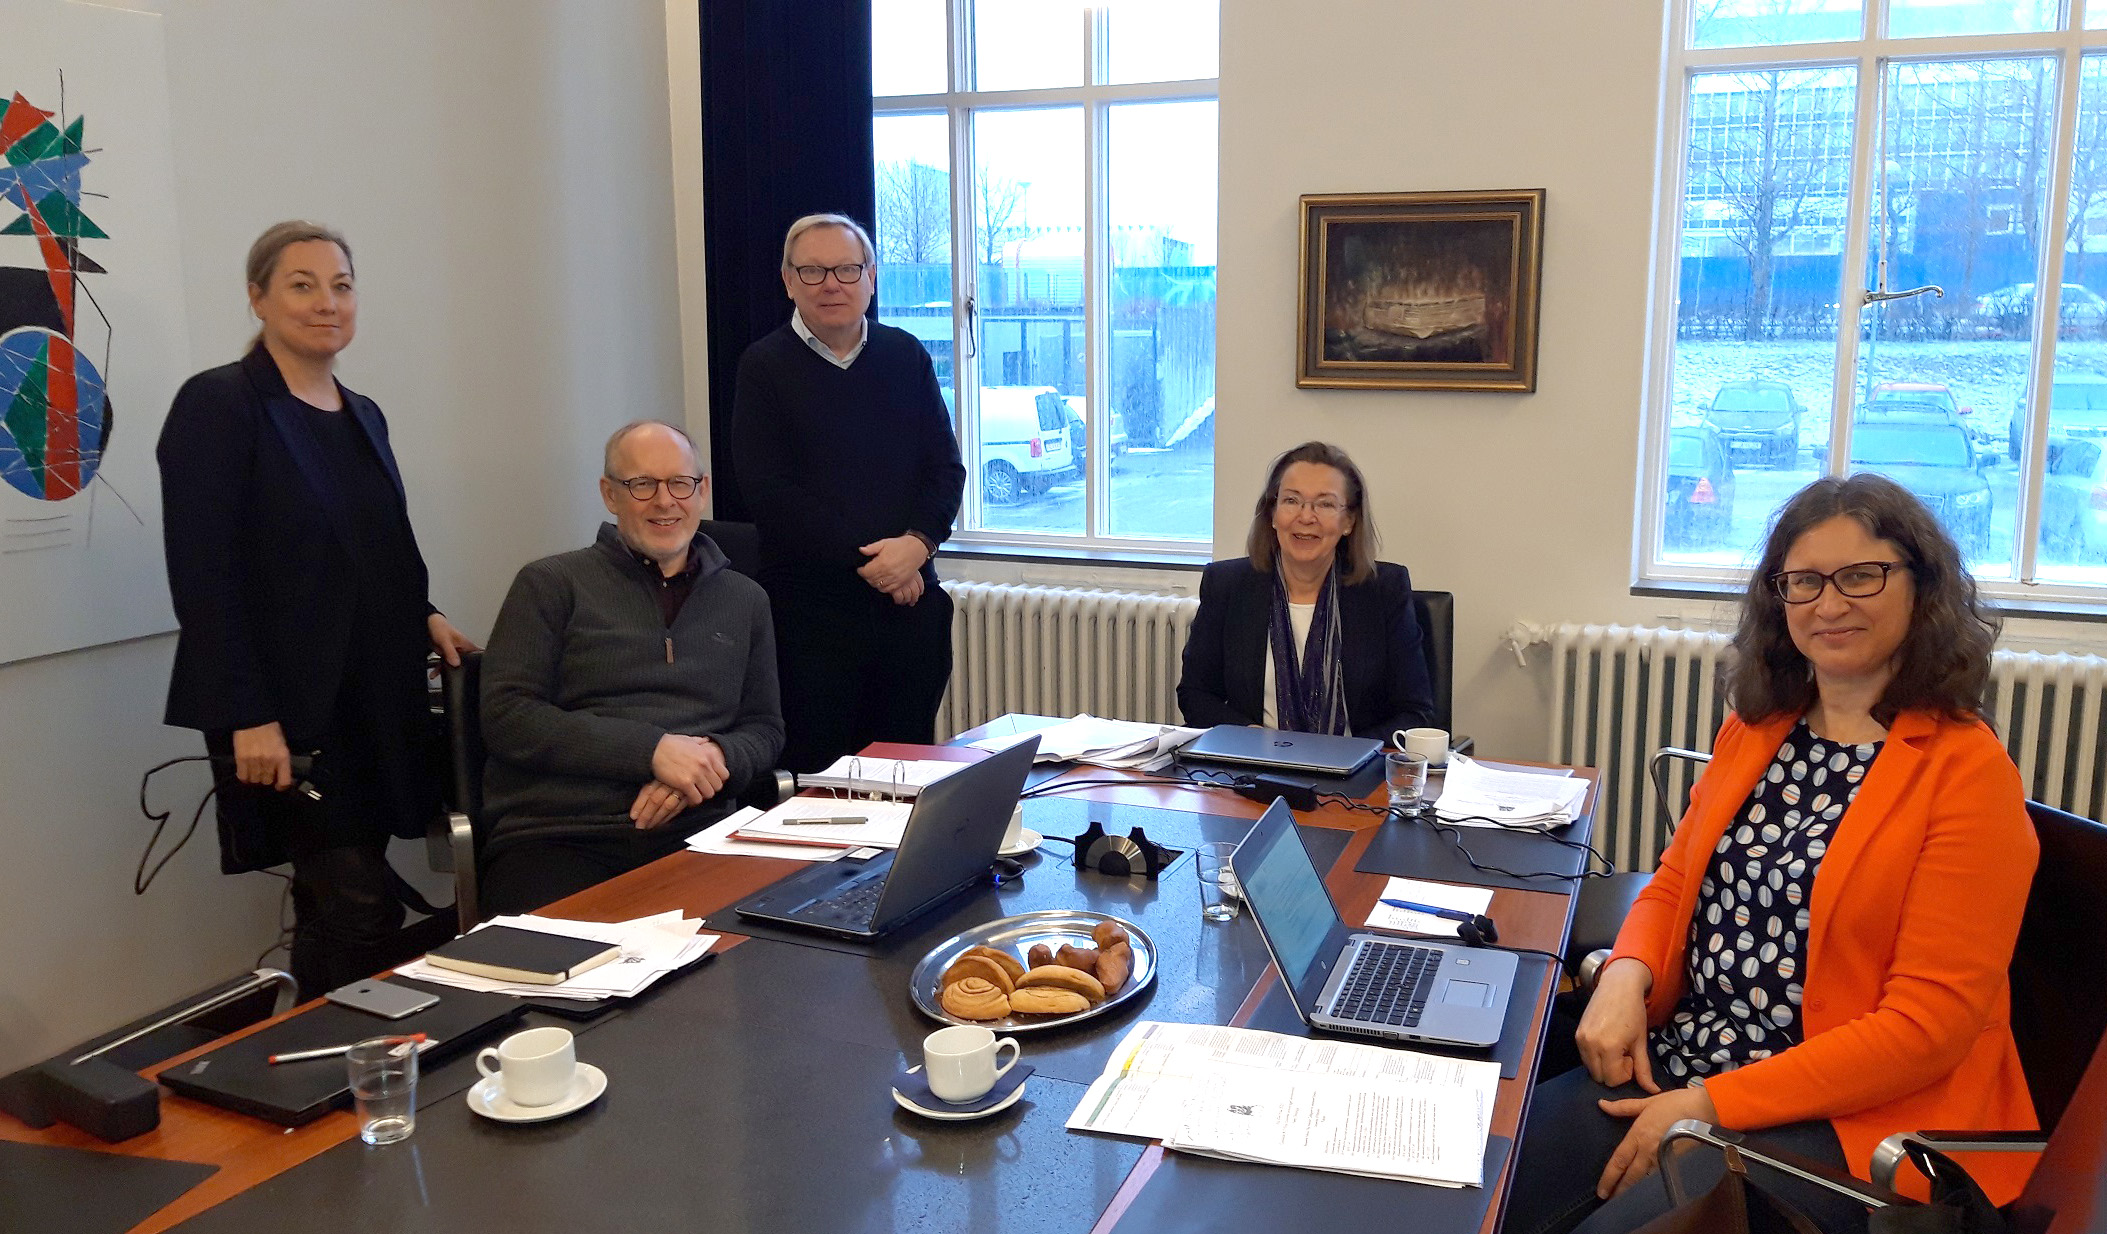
1370	984
1277	749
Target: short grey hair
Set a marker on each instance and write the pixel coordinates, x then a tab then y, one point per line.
620	435
843	221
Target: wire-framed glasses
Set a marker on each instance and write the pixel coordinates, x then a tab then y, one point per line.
644	488
1324	507
813	276
1857	580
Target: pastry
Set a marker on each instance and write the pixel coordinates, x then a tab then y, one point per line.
1061	977
1038	955
1082	959
1107	935
978	966
975	998
1113	966
1047	1000
1005	959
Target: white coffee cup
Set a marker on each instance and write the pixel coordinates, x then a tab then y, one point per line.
535	1067
1015	835
960	1061
1431	742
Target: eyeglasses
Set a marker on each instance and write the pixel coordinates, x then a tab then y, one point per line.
813	276
644	488
1857	580
1291	505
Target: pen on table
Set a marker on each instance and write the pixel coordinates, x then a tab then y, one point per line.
1453	914
331	1051
847	820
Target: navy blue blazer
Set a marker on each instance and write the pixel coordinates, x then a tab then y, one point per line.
1223	681
258	562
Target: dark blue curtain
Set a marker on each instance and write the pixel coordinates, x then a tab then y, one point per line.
786	115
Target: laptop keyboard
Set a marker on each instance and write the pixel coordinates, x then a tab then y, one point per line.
856	905
1387	984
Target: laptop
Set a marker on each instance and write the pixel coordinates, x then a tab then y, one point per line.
949	843
1308	753
1368	984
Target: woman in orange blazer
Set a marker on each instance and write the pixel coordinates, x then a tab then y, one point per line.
1822	955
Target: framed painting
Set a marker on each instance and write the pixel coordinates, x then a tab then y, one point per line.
1420	291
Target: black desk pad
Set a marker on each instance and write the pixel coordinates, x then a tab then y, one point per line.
1405	848
1275	1014
45	1187
1232	1197
713	1126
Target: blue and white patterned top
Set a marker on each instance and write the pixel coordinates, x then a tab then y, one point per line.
1748	937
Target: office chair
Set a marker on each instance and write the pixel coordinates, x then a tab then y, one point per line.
1601	904
2059	966
1436	614
741	543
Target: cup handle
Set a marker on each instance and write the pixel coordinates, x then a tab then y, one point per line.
489	1054
1016	1052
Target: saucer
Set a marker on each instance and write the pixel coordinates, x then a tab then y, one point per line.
958	1116
1027	840
488	1098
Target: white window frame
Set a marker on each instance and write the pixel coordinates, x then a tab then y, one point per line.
2068	47
1095	98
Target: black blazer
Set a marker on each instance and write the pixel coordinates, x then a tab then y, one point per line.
264	586
1223	681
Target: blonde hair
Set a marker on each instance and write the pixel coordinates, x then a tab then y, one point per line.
1356	552
278	237
843	221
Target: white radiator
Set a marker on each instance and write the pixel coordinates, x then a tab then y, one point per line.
1620	692
1062	650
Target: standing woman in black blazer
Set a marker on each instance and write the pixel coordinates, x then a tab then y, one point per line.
1309	633
301	599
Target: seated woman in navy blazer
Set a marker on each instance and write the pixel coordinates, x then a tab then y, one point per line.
1309	633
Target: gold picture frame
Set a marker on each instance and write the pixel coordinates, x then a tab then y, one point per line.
1420	291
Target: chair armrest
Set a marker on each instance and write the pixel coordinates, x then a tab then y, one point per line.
1889	1155
1462	745
453	834
769	789
1589	970
1689	1131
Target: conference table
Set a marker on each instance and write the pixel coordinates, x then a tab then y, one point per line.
751	1091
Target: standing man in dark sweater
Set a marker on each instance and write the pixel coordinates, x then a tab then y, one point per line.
850	468
629	691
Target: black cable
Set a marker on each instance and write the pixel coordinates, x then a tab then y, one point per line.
142	878
1455	837
1061	786
1452	939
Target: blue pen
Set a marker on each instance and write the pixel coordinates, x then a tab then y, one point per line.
1453	914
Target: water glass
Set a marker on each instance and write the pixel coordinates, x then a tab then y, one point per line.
1221	896
384	1086
1406	773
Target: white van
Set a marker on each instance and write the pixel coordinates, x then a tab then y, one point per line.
1024	446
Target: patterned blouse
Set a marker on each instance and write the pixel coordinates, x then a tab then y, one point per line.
1748	937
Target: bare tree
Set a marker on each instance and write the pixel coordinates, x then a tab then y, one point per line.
914	212
1001	201
2088	171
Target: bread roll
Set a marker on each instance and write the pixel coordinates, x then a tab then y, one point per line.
1061	977
1005	959
1113	967
1038	955
1047	1000
978	966
1082	959
1108	934
974	998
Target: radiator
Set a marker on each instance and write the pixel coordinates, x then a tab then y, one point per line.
1620	692
1062	650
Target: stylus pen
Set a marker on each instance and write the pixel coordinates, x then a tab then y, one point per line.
846	821
331	1051
1453	914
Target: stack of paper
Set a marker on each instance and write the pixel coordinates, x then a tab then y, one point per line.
721	838
651	947
829	823
894	777
1103	743
1265	1097
1476	795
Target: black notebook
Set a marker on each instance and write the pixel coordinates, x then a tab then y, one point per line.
507	953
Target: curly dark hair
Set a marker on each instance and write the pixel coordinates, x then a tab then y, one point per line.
1357	548
1943	664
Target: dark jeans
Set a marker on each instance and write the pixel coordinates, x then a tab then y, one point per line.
855	670
1568	1140
533	862
347	919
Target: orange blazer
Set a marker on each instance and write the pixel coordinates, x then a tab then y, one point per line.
1914	911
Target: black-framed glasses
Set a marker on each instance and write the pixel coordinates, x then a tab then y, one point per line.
1857	580
813	276
644	488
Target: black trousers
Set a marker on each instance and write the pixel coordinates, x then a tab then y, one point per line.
533	862
1568	1140
855	669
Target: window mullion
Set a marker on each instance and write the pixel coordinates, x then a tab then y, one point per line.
1851	277
2033	467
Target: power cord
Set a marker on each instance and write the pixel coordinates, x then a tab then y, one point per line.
1455	837
143	878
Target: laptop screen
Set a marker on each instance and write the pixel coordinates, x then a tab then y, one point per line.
1286	894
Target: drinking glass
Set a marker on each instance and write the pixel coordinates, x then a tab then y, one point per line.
1406	774
1221	896
384	1085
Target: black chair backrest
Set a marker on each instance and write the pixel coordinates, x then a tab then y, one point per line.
741	543
1436	611
462	690
2060	965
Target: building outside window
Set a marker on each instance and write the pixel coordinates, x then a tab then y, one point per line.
1045	176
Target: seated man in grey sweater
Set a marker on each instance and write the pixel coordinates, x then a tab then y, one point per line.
629	688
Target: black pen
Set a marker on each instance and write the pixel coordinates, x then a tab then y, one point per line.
850	820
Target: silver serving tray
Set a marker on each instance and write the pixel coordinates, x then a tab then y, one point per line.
1016	935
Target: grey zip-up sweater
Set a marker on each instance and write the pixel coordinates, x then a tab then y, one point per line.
583	677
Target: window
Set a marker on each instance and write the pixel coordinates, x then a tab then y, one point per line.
1045	176
1866	198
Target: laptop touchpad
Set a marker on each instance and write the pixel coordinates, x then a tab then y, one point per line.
1467	993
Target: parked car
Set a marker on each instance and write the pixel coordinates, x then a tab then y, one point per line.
1024	443
1758	418
2077	407
1700	499
2009	311
1079	432
2074	500
1932	399
1935	462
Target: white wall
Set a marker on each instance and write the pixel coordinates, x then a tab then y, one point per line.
502	169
